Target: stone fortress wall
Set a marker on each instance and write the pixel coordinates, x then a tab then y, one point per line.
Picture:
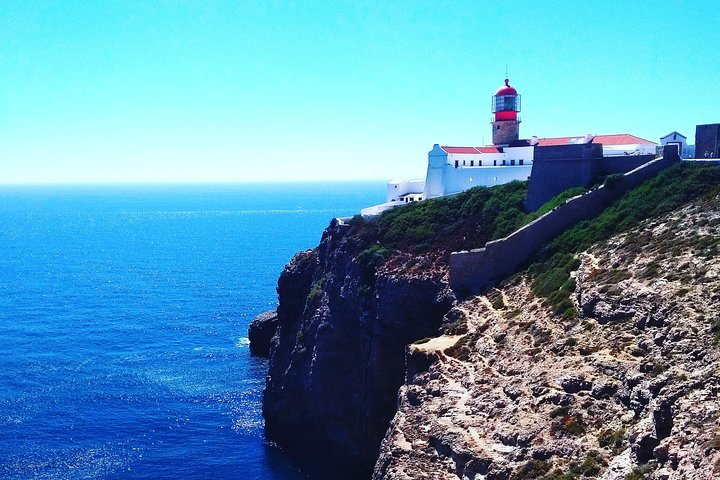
557	168
471	271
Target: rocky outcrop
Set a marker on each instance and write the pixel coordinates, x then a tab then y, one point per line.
338	357
629	387
261	331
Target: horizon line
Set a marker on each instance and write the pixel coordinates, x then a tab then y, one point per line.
186	182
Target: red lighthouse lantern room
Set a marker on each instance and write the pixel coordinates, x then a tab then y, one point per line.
506	103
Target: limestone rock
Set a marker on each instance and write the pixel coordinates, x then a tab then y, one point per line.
637	388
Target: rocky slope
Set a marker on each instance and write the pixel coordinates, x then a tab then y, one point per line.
338	357
627	389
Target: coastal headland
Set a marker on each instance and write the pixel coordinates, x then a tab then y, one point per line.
595	358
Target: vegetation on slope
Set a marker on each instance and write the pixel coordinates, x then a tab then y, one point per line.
369	260
676	186
476	216
466	220
552	204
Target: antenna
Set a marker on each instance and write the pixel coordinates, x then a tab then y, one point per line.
506	71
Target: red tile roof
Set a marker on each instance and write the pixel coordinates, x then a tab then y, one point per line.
471	150
617	139
488	149
548	142
621	139
466	150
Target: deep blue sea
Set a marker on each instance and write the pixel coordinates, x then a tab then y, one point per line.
123	324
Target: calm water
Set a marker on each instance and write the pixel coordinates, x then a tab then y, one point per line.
123	323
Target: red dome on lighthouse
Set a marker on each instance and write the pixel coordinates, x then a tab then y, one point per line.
506	103
506	89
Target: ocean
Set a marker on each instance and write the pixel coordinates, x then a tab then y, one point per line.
123	324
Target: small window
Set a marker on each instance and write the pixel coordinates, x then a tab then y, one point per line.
479	163
494	163
521	162
472	163
456	163
503	163
463	163
512	163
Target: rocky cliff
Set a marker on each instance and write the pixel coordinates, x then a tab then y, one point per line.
346	312
628	388
600	364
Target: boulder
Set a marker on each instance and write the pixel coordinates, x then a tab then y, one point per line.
575	384
261	331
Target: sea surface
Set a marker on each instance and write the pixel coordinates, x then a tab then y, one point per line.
123	324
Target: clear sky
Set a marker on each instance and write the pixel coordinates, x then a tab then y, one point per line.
178	91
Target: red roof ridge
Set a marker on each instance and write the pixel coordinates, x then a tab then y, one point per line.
624	136
469	150
612	139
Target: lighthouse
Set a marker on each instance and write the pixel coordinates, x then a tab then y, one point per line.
506	122
453	169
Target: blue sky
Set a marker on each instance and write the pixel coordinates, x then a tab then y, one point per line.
184	91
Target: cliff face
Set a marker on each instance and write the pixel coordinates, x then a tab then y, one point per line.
628	387
337	359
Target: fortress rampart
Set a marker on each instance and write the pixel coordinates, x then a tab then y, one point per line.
557	168
471	271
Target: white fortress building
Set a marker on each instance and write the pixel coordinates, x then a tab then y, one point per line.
454	169
675	138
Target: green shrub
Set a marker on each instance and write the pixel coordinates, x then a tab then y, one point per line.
682	292
638	473
559	412
613	180
589	467
364	229
316	289
496	299
613	439
651	270
532	469
369	260
569	424
658	367
460	349
592	465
